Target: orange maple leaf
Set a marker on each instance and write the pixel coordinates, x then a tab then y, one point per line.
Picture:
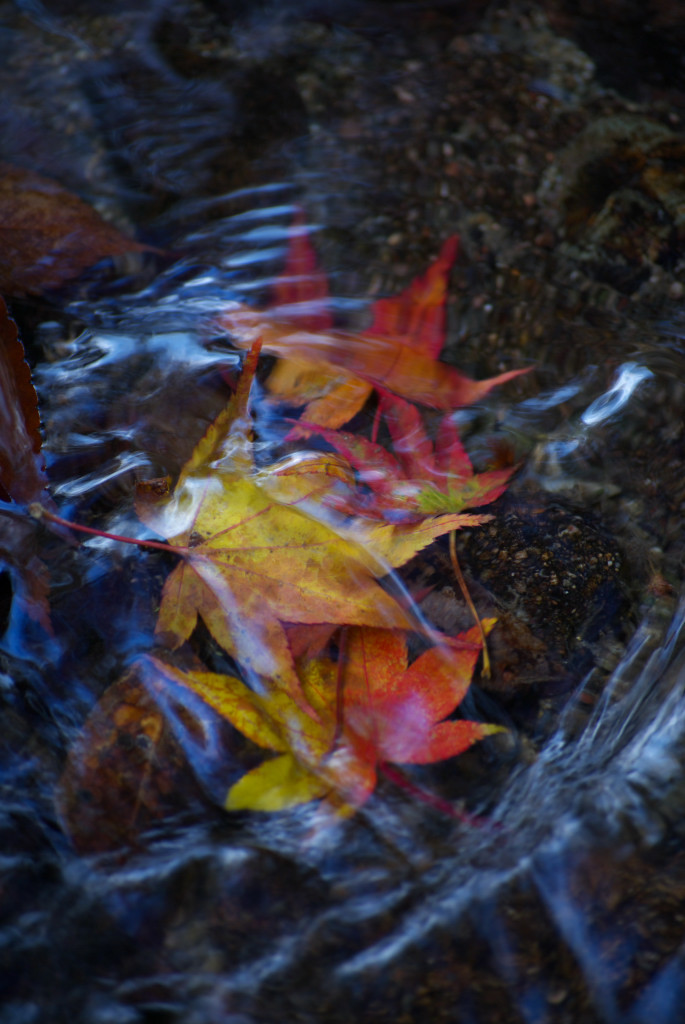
334	372
391	712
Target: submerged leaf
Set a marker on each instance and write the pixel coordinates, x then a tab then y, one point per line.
415	319
256	555
126	771
301	289
334	372
416	316
391	712
47	234
400	710
418	479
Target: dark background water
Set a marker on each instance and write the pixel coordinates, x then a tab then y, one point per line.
550	137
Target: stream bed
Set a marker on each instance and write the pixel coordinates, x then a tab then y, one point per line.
201	128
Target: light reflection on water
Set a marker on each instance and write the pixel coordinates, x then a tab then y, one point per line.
630	376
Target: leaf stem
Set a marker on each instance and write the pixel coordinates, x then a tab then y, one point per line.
38	511
340	690
467	597
399	778
376	424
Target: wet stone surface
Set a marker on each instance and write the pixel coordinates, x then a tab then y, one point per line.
556	570
553	577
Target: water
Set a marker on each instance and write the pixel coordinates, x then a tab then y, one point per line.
393	126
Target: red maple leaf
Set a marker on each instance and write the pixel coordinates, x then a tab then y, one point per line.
421	478
391	712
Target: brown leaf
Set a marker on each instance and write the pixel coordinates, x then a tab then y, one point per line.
47	234
126	772
30	578
21	474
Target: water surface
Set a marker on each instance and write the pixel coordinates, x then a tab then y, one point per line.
201	128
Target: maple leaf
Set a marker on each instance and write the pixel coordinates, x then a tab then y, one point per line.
48	234
392	712
421	478
415	319
300	292
334	371
126	770
256	555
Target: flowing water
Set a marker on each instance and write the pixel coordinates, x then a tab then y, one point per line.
203	127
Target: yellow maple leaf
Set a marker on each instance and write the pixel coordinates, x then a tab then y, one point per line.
255	553
391	712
